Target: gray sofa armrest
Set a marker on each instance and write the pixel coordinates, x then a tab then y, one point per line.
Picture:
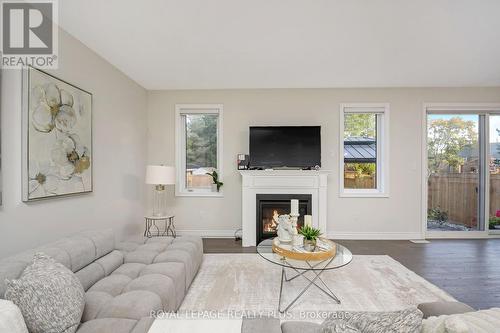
434	309
260	325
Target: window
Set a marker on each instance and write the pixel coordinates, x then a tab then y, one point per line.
198	148
364	132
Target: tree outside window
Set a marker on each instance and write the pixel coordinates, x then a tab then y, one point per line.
360	150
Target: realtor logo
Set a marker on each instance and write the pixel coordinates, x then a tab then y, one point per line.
29	34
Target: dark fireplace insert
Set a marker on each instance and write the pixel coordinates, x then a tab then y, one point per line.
270	204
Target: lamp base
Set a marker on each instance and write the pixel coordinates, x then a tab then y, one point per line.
159	195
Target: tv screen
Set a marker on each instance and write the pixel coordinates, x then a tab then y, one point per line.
285	146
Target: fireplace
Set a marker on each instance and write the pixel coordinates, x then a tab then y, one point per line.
269	205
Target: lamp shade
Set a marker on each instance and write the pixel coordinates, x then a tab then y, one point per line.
160	175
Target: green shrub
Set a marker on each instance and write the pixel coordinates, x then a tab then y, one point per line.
437	214
493	221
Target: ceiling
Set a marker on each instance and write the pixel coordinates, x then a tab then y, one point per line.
210	44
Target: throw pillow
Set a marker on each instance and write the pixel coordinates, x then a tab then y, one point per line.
11	319
405	321
455	324
50	296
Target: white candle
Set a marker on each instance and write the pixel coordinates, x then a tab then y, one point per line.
294	203
308	220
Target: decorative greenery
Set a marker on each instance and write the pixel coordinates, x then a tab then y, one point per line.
215	179
493	221
437	214
310	233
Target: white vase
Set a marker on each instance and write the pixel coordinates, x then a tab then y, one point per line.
214	188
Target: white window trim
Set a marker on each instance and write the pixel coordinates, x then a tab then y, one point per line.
382	190
180	149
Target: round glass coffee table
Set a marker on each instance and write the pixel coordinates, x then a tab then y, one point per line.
300	267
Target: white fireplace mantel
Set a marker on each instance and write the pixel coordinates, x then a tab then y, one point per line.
282	182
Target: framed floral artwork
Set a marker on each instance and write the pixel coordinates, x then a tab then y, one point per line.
57	137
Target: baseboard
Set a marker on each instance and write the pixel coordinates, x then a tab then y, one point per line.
331	234
374	235
207	233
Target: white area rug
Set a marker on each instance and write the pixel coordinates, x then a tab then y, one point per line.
247	282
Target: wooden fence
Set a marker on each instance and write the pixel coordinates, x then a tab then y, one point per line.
456	194
352	180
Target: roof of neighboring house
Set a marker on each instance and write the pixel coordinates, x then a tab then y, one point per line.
360	150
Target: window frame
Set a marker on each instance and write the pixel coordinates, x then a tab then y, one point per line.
382	166
180	147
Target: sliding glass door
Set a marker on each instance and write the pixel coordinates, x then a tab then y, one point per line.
454	172
494	174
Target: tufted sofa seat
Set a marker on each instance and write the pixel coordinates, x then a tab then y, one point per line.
124	282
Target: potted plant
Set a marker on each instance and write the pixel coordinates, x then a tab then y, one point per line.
494	222
216	185
310	237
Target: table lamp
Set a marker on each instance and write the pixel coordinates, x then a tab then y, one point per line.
159	175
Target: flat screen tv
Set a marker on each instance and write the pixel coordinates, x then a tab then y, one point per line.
285	147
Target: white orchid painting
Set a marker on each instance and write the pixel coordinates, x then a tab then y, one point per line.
58	137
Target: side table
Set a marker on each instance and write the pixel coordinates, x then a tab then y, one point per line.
153	227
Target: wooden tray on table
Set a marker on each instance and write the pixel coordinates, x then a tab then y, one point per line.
286	250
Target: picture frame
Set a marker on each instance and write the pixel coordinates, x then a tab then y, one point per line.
56	137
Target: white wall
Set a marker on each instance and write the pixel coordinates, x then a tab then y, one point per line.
398	216
119	143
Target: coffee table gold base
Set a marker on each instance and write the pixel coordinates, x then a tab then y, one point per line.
314	281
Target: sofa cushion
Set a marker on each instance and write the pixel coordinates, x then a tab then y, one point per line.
134	304
107	325
113	284
189	247
300	327
90	274
95	301
197	241
261	324
110	262
180	256
50	296
404	321
132	269
104	240
143	325
484	321
434	309
11	319
161	285
456	325
162	239
140	256
175	271
81	251
127	246
167	281
154	246
185	250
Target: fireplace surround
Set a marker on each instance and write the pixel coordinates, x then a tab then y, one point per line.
270	204
286	182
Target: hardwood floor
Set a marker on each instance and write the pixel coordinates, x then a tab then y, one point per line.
469	270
